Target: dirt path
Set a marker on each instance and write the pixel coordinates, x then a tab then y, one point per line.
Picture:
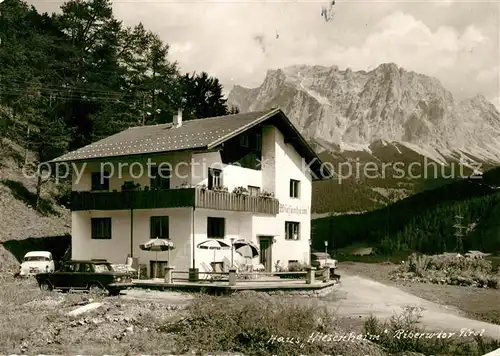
360	297
167	297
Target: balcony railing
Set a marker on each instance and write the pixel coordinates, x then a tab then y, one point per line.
210	199
142	199
173	198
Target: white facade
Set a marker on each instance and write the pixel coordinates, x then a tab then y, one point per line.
280	163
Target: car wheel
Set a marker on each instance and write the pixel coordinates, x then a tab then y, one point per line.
45	286
114	292
95	288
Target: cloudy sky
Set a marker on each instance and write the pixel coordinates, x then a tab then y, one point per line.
456	41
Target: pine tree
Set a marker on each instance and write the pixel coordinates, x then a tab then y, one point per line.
203	96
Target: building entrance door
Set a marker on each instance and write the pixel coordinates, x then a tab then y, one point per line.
266	259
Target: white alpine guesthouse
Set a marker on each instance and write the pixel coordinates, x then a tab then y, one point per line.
244	176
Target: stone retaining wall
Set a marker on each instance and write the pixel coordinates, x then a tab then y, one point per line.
308	293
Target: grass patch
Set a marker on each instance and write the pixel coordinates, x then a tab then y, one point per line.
395	258
402	333
34	322
251	324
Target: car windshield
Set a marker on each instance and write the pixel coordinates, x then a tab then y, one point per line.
102	267
321	256
36	258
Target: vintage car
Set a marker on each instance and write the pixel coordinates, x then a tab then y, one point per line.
36	262
91	275
322	260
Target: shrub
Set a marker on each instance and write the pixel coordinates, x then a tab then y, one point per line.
240	191
449	269
247	322
296	267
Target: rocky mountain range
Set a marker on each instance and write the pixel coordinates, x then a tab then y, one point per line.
348	111
387	114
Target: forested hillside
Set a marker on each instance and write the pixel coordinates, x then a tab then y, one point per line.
425	221
71	78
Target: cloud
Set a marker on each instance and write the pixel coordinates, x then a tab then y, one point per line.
402	39
488	74
180	47
444	3
457	41
260	39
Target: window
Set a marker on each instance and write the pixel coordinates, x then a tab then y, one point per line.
244	140
258	142
69	267
253	191
100	181
36	258
159	178
214	178
101	228
102	268
215	227
294	188
84	268
292	230
159	227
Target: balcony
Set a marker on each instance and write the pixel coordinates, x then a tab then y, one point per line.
173	198
142	199
209	199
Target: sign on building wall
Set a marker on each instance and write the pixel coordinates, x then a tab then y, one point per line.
295	210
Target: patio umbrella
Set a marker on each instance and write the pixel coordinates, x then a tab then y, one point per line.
158	245
213	244
246	249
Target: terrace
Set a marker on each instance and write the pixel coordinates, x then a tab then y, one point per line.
307	283
197	197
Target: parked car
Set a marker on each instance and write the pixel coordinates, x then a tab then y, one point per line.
36	262
322	260
85	275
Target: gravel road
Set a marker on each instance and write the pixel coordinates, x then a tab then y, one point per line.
359	297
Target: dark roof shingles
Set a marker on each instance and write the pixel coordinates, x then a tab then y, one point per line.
164	138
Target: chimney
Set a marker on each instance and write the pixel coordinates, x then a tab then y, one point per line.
178	118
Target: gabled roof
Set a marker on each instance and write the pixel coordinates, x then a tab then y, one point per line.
205	133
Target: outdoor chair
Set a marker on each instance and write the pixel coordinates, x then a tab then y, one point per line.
132	264
237	265
209	275
241	269
207	269
218	269
227	264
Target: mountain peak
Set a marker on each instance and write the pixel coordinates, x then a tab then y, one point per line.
388	67
356	108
